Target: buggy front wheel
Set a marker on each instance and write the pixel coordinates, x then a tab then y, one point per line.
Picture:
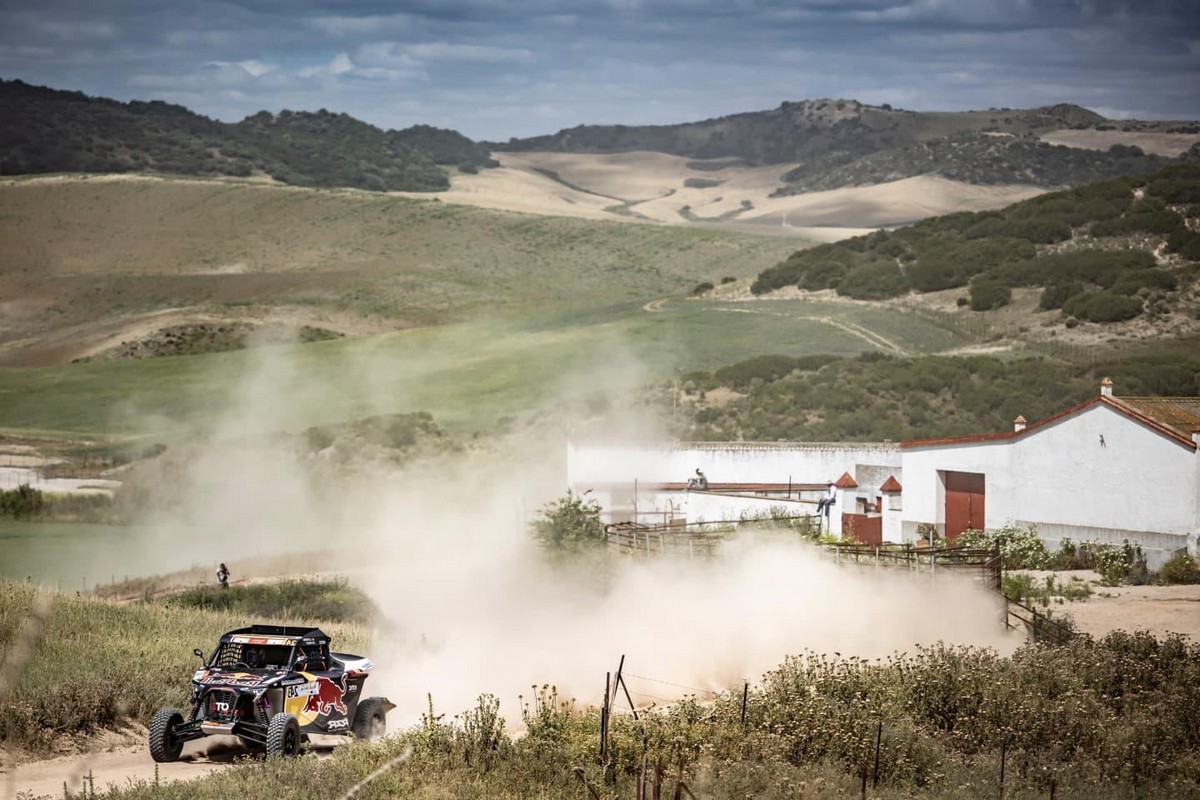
283	736
165	745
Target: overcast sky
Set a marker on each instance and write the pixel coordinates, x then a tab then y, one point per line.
493	69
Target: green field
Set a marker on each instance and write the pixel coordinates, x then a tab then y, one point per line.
467	375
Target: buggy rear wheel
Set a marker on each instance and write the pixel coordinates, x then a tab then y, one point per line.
369	720
165	746
283	736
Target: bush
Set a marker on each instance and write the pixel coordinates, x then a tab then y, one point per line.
1160	222
701	288
569	523
1054	295
1103	306
1130	283
875	280
988	294
1021	548
764	368
24	501
1181	568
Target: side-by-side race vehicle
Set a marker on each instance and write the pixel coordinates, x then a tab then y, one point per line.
272	686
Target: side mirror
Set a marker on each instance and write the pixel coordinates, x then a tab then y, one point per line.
198	653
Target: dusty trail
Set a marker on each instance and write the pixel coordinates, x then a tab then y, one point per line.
120	767
130	764
853	328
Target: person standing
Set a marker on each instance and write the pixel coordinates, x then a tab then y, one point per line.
223	576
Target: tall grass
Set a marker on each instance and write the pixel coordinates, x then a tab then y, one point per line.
1088	721
334	600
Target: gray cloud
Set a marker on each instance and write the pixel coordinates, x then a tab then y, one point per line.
500	68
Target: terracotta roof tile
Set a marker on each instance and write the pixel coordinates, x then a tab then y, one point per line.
1180	413
890	485
846	482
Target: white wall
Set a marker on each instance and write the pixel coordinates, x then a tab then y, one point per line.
594	464
1061	475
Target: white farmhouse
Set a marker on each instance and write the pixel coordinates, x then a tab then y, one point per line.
1106	470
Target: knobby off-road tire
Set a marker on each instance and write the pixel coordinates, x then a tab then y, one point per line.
165	746
369	720
283	736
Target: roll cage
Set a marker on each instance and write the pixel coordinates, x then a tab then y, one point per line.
272	647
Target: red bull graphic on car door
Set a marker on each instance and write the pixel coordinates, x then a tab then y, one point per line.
322	703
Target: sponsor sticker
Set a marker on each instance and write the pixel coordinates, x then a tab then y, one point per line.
302	690
337	725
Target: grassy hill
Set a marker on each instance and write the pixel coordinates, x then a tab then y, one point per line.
470	376
105	260
1104	252
46	130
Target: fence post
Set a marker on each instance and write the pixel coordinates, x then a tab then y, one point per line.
878	742
1003	753
604	718
745	694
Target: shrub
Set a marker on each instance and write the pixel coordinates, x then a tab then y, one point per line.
1160	222
874	280
1181	568
988	294
24	501
1130	283
764	368
569	523
701	288
1021	548
1054	295
1103	306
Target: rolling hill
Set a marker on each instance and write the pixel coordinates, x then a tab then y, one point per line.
46	130
836	143
1124	250
88	265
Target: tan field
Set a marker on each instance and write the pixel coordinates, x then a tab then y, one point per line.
1153	142
650	187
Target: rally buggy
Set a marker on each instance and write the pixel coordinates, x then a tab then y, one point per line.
272	686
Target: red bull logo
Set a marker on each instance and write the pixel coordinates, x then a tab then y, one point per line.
327	698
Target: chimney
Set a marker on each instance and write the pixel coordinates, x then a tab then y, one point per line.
1018	424
1106	387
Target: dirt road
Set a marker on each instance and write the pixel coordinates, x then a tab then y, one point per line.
118	767
130	762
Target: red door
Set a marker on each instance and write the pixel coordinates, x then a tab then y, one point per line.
964	503
863	529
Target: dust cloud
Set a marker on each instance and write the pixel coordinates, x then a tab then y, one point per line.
484	612
471	605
